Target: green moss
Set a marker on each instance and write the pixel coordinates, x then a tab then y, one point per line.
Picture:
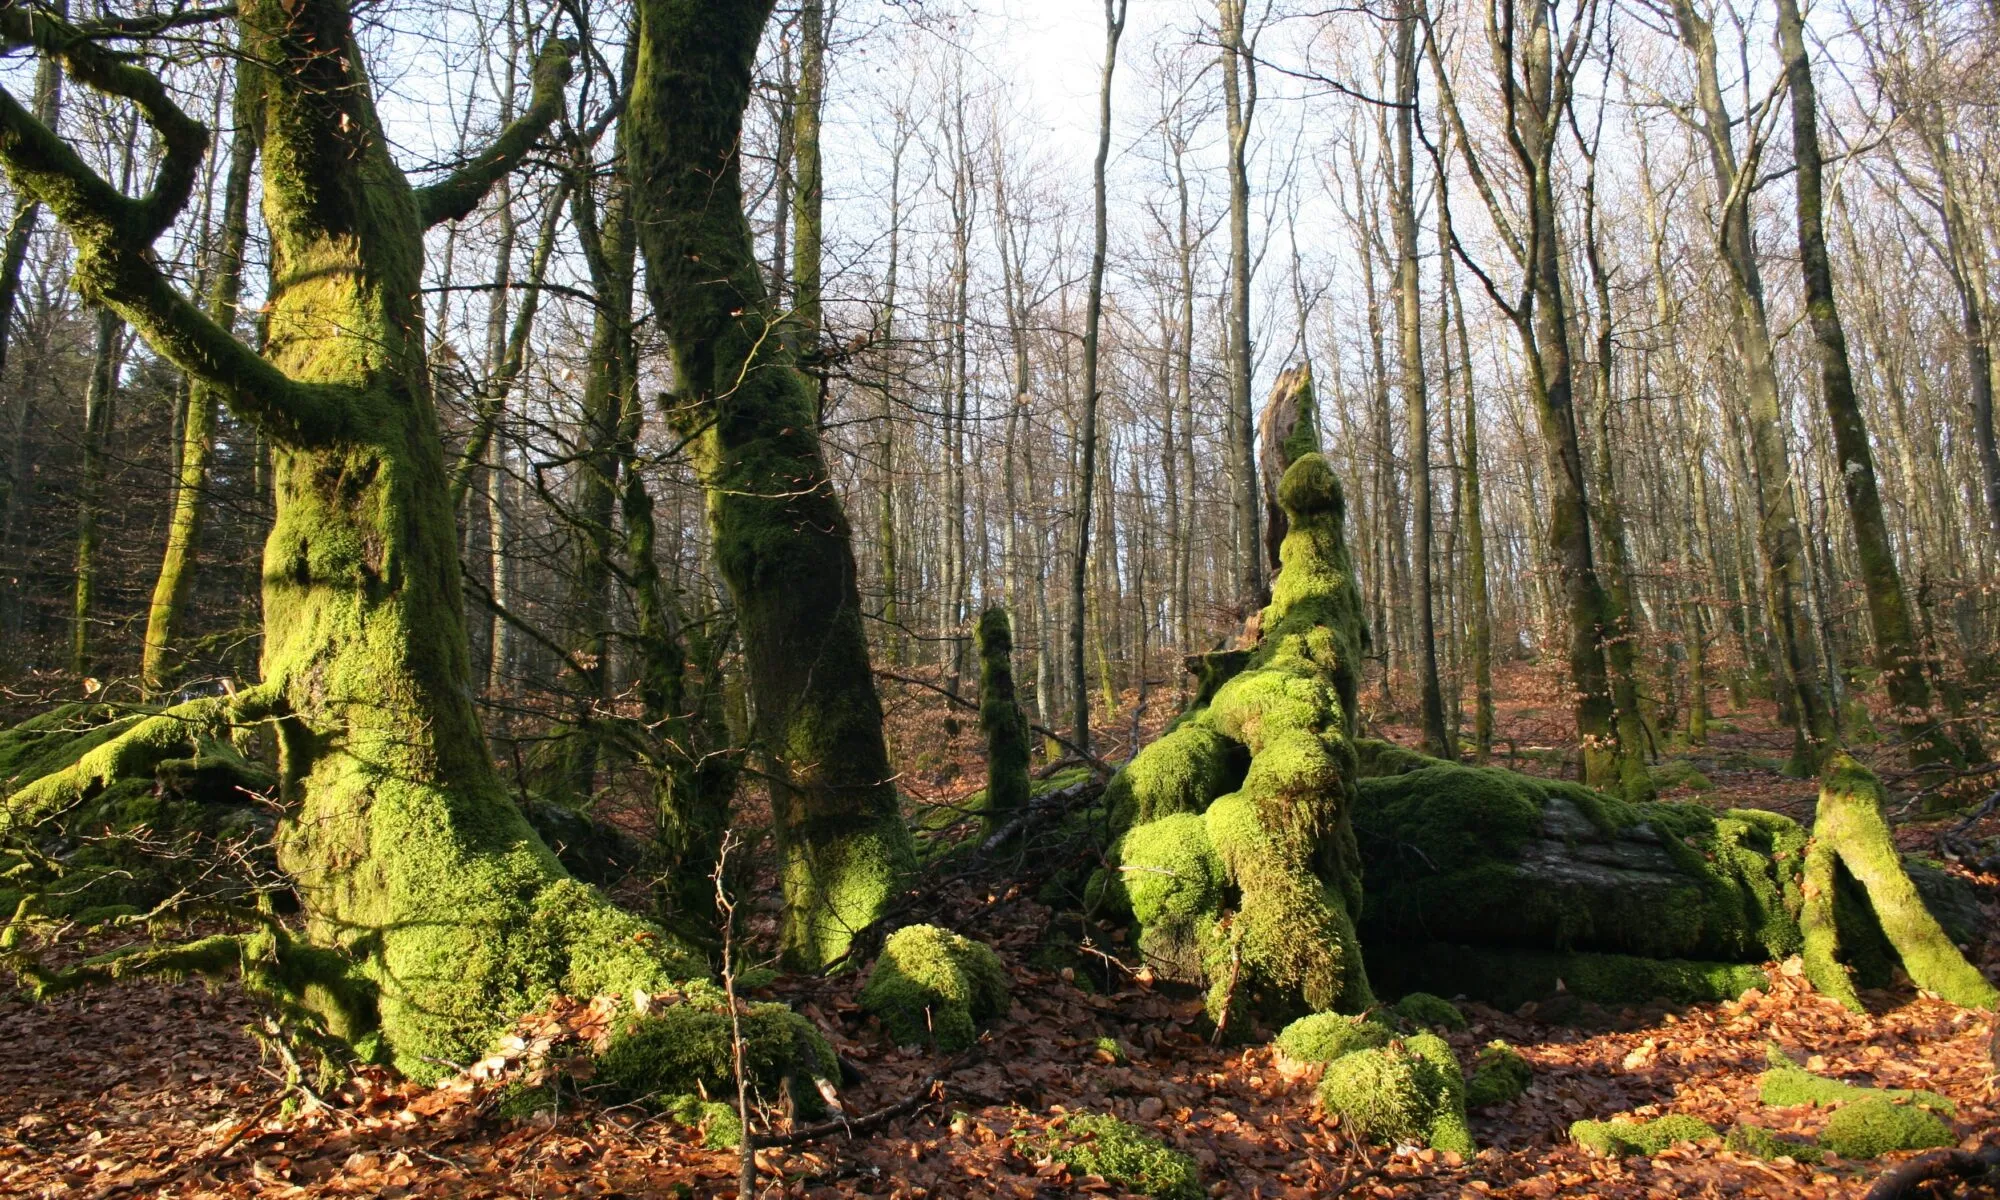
1787	1084
686	1047
1623	1138
1678	773
521	1100
1375	758
1320	1038
1110	1048
718	1124
1878	1125
932	984
1119	1153
1762	1143
1425	1011
1179	773
1850	824
1166	874
1499	1074
1408	1091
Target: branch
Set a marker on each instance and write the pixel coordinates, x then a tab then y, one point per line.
114	233
461	192
1096	764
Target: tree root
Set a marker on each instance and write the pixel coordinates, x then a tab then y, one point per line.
1911	1178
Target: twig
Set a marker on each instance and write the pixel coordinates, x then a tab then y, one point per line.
875	1120
1054	803
746	1159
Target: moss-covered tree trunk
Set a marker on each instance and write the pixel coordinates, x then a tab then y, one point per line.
404	849
1001	720
164	656
781	537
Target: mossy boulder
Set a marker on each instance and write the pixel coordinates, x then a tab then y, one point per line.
1499	1074
1678	773
1509	978
1375	758
1320	1038
931	984
1121	1154
1878	1125
1406	1091
1422	1010
686	1048
1620	1139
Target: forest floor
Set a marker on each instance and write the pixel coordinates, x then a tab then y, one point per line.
154	1089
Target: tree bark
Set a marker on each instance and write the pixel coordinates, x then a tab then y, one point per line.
781	538
1239	105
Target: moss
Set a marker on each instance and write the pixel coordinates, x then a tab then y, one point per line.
1408	1091
1181	772
521	1100
1110	1050
718	1124
686	1047
1878	1125
1622	1138
1320	1038
1761	1143
1787	1084
932	984
1425	1011
1166	874
1121	1154
1375	759
1507	978
1499	1074
1850	824
1678	773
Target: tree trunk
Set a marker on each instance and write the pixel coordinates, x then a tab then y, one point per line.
781	537
99	398
1896	651
1471	497
164	656
1239	105
405	850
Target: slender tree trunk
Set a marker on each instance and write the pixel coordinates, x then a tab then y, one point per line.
164	655
1114	28
1471	496
99	398
808	189
1239	105
1416	400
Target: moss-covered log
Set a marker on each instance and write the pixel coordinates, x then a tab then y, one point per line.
781	537
1238	859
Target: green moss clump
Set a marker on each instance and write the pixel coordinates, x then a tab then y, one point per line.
1762	1143
1408	1091
1426	1011
1166	874
1679	773
1499	1074
1121	1154
1878	1125
1619	1139
1323	1037
521	1100
931	983
1787	1084
1110	1048
687	1048
1179	773
719	1124
1375	758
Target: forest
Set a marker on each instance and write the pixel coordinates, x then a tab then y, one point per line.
918	598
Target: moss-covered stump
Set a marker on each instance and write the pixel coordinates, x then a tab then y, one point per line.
1408	1091
1499	1074
1258	872
932	985
1620	1139
1422	1010
1861	903
1002	721
1509	978
685	1049
1121	1154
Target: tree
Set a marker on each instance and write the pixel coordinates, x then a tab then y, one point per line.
433	912
780	535
1239	107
